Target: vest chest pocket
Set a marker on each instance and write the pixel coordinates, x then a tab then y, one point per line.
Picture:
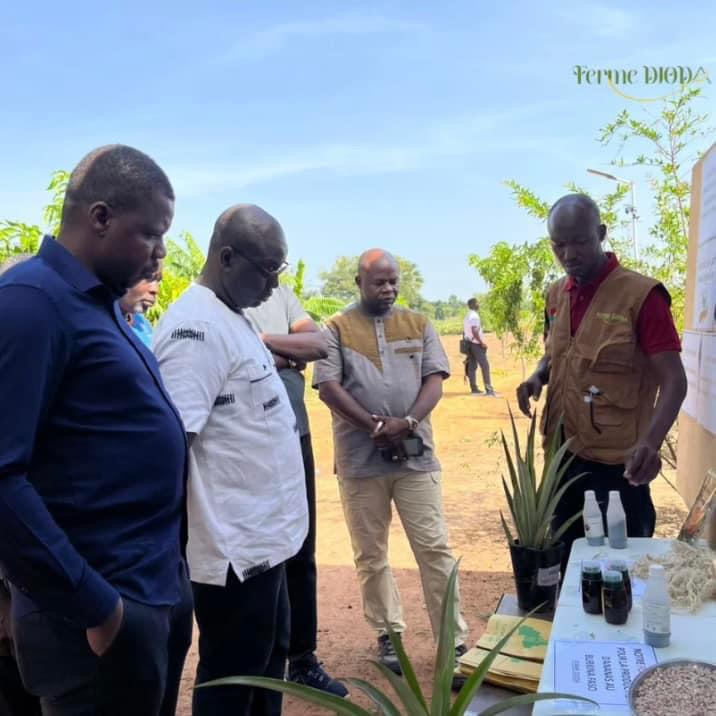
614	357
607	415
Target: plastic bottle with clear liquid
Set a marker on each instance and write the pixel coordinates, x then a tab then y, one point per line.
616	521
592	516
656	608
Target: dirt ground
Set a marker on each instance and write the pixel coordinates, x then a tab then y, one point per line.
465	428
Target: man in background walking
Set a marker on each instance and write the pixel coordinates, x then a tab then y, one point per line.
472	332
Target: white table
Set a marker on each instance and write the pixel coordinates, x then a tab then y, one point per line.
692	635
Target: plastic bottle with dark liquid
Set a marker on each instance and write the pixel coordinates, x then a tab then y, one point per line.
592	587
614	598
619	565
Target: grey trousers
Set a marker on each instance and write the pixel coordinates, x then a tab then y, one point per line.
478	356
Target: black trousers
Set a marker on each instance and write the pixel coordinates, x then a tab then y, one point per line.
139	674
638	506
478	356
14	699
301	572
243	631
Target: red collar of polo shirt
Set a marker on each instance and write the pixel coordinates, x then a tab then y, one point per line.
611	264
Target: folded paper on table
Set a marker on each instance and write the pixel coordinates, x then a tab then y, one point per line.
528	642
506	671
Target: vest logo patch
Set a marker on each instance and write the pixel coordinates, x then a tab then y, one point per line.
188	334
612	318
227	399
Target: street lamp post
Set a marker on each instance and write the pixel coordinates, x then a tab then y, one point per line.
630	210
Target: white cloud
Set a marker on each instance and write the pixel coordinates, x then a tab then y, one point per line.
273	39
460	136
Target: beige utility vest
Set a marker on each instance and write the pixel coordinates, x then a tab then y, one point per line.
599	378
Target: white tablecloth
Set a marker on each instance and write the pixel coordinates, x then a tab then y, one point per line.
692	635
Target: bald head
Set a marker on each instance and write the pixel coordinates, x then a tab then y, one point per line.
246	227
576	233
247	252
376	258
378	280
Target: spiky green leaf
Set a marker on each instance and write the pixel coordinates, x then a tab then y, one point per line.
445	656
408	699
406	667
336	704
383	703
527	699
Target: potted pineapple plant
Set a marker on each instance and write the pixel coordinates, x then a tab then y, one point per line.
411	700
535	548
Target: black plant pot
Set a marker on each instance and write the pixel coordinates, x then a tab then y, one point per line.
537	576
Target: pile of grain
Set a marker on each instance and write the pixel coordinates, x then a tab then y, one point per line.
678	690
690	573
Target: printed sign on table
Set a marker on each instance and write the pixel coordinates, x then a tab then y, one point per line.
600	670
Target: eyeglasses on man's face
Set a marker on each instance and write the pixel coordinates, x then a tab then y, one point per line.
266	271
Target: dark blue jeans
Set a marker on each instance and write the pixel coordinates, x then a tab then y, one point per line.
139	673
243	631
301	571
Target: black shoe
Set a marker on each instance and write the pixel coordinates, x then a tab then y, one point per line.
458	678
310	672
387	655
477	391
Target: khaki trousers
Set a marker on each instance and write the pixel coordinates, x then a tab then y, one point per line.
367	509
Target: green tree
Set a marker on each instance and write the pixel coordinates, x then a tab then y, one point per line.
295	280
667	145
518	275
339	281
182	265
18	237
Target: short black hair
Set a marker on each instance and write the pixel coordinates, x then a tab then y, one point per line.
471	302
577	201
121	176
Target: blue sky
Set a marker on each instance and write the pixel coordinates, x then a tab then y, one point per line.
387	124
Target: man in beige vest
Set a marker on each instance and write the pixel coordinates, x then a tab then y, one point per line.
613	367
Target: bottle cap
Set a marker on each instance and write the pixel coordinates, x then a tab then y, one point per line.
618	565
613	493
613	577
589	495
590	566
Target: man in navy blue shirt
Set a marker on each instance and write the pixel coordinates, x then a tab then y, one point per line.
93	456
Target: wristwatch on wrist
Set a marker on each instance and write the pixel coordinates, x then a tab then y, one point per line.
412	422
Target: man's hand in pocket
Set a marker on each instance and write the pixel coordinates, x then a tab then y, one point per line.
101	637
